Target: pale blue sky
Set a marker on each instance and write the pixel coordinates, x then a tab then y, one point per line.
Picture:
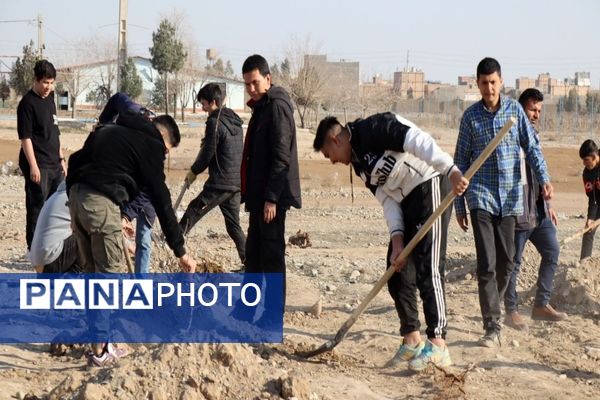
444	38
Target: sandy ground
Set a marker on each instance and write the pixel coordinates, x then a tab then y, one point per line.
551	361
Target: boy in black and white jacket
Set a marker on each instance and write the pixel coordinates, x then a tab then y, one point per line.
409	175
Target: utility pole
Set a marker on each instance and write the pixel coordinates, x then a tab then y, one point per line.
122	45
41	45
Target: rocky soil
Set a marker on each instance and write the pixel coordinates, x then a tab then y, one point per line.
326	281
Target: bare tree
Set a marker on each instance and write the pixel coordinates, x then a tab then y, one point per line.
104	53
304	80
76	74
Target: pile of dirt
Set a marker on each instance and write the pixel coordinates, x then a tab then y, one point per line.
165	261
577	287
179	371
300	239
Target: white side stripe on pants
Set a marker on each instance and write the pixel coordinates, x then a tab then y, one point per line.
435	258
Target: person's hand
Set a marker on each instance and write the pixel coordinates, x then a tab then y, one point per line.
463	222
458	181
130	247
127	228
63	165
187	264
190	177
270	211
553	216
588	223
34	174
547	191
397	247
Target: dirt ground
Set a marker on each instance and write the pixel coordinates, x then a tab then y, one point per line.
346	257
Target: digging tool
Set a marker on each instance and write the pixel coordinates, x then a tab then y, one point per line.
157	237
185	187
593	226
127	257
341	333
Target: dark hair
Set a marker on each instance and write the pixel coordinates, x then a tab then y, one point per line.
488	66
258	62
211	92
324	126
588	148
171	126
44	69
530	94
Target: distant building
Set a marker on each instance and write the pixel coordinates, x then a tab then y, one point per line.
377	87
467	80
431	88
410	83
94	75
454	92
582	79
341	77
524	83
543	82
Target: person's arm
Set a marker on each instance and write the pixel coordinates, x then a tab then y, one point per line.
533	153
394	218
25	131
280	140
422	145
592	209
63	161
462	159
117	104
208	149
34	170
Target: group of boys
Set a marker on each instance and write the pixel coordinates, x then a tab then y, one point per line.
119	175
508	198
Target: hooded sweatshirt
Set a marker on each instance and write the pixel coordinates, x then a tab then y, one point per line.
221	150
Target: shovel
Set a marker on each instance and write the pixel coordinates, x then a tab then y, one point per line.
341	333
157	237
181	193
581	232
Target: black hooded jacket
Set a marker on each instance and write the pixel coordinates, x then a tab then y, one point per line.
117	160
271	165
221	150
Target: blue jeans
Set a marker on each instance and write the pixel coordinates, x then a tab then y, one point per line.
545	241
143	245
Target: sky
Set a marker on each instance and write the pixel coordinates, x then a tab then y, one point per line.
444	39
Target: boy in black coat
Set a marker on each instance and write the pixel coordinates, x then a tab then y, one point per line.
221	153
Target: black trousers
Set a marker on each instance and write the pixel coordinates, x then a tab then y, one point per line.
229	203
495	248
67	261
265	245
426	263
36	194
587	242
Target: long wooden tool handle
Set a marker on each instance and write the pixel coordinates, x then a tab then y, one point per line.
130	266
487	151
593	226
180	197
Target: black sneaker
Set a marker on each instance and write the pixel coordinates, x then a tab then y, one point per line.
491	339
